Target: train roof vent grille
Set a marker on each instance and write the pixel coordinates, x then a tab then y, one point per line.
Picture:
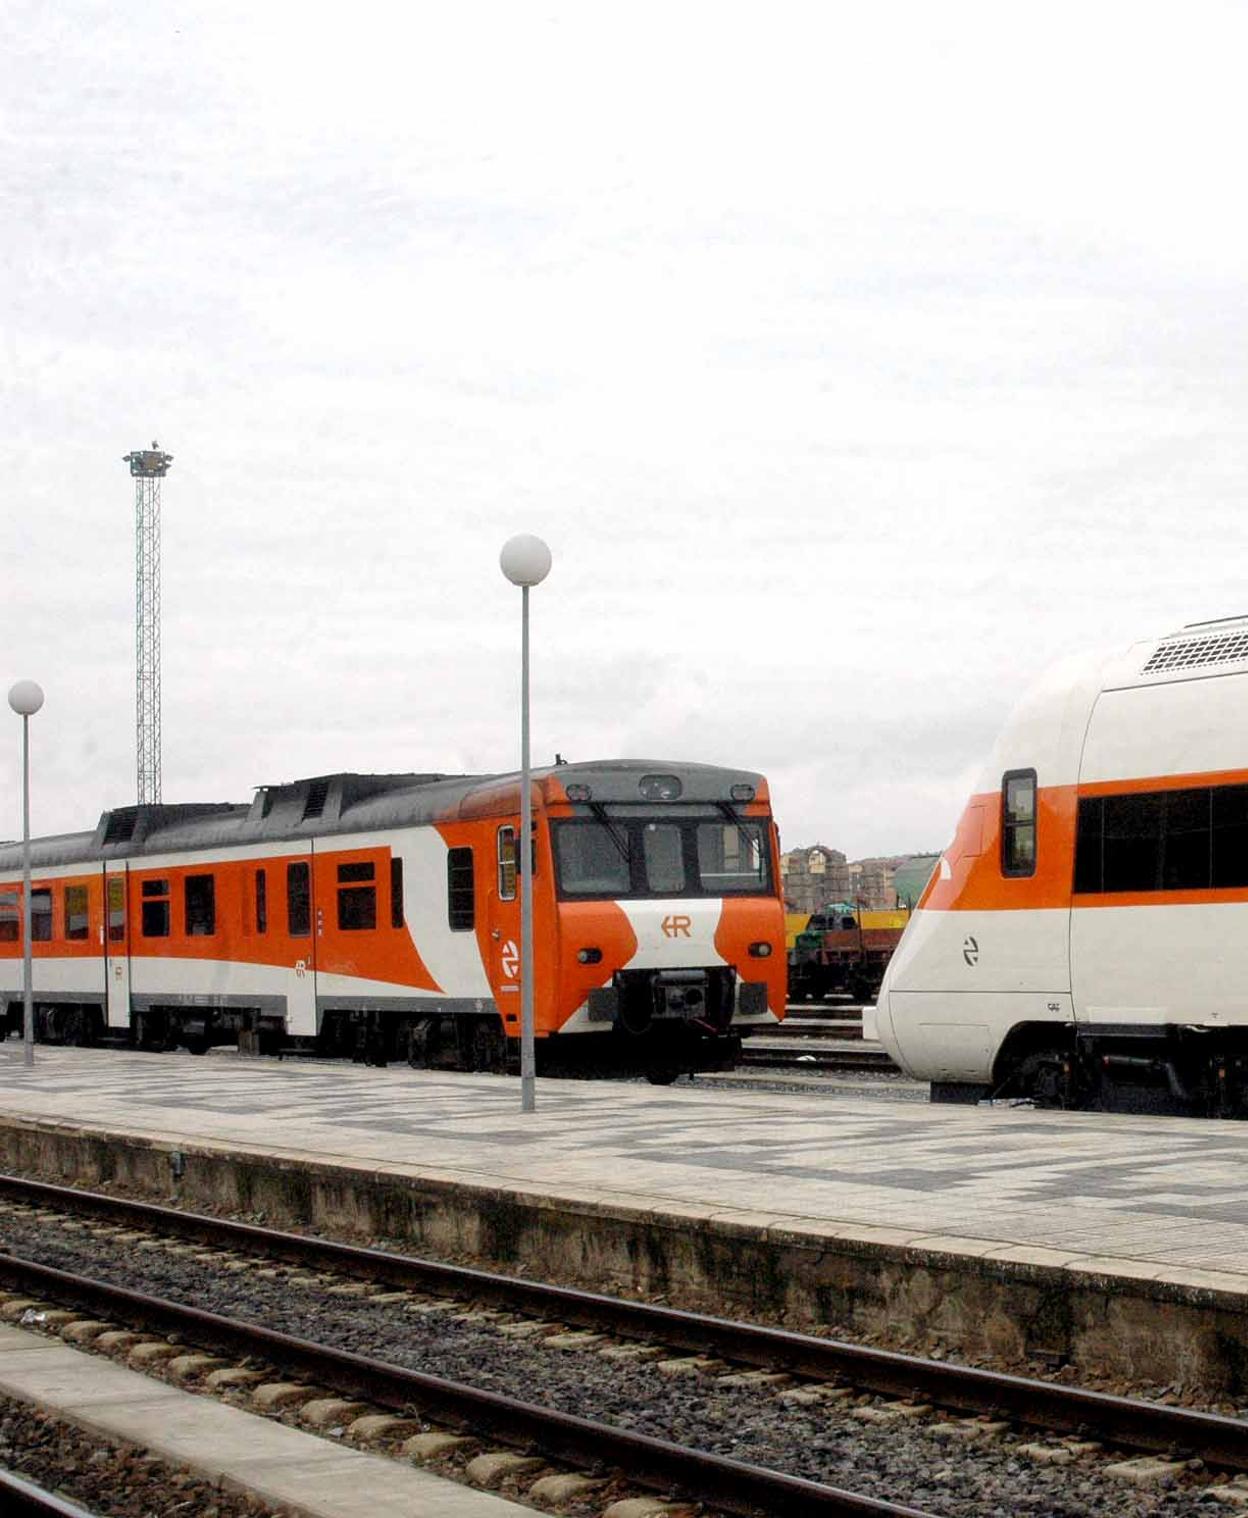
1197	653
121	823
318	794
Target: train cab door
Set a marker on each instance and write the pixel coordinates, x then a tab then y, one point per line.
115	933
503	923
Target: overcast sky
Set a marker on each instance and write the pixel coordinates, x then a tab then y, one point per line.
856	361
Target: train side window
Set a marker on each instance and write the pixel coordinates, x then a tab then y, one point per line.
1132	843
76	912
262	901
154	919
1018	823
298	900
116	909
41	916
201	906
10	917
1089	844
357	902
396	893
1186	843
1191	840
507	864
1228	826
461	912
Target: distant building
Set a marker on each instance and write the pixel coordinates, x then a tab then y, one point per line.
813	877
816	876
871	882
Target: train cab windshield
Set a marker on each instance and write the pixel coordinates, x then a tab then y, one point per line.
609	856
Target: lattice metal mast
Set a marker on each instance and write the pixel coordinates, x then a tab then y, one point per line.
148	466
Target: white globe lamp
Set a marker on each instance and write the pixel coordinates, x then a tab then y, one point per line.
26	697
525	560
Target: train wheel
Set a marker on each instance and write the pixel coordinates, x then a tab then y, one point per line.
489	1048
422	1043
153	1033
75	1027
1048	1076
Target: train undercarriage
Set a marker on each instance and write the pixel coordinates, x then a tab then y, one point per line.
1191	1070
659	1024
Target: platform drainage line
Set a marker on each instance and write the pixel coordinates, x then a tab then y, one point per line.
728	1484
1129	1422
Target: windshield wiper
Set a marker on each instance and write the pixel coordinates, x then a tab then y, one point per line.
619	839
751	837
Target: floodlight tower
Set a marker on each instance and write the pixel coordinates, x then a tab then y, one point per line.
148	466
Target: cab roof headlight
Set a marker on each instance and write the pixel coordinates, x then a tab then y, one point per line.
578	791
660	787
743	793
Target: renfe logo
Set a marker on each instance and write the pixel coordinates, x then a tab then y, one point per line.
676	925
511	959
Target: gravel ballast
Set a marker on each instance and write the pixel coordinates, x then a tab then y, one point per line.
903	1460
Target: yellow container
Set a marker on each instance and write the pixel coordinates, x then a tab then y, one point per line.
894	918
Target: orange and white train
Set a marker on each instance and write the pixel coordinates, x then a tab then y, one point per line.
380	915
1084	940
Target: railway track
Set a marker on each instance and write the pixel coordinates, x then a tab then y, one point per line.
843	1054
22	1499
733	1486
814	1036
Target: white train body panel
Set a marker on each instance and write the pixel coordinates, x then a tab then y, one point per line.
1129	923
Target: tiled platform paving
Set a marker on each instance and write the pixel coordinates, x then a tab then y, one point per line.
1161	1198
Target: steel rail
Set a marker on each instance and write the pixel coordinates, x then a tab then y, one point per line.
852	1058
1126	1421
23	1499
731	1485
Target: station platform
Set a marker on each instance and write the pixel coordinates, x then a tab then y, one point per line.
1117	1243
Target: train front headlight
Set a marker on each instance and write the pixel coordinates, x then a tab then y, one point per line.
760	950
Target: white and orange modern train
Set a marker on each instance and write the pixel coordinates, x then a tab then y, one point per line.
1084	940
380	914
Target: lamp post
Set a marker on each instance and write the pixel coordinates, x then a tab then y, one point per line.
525	560
26	698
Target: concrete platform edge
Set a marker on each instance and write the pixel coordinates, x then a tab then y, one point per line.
293	1471
1134	1320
